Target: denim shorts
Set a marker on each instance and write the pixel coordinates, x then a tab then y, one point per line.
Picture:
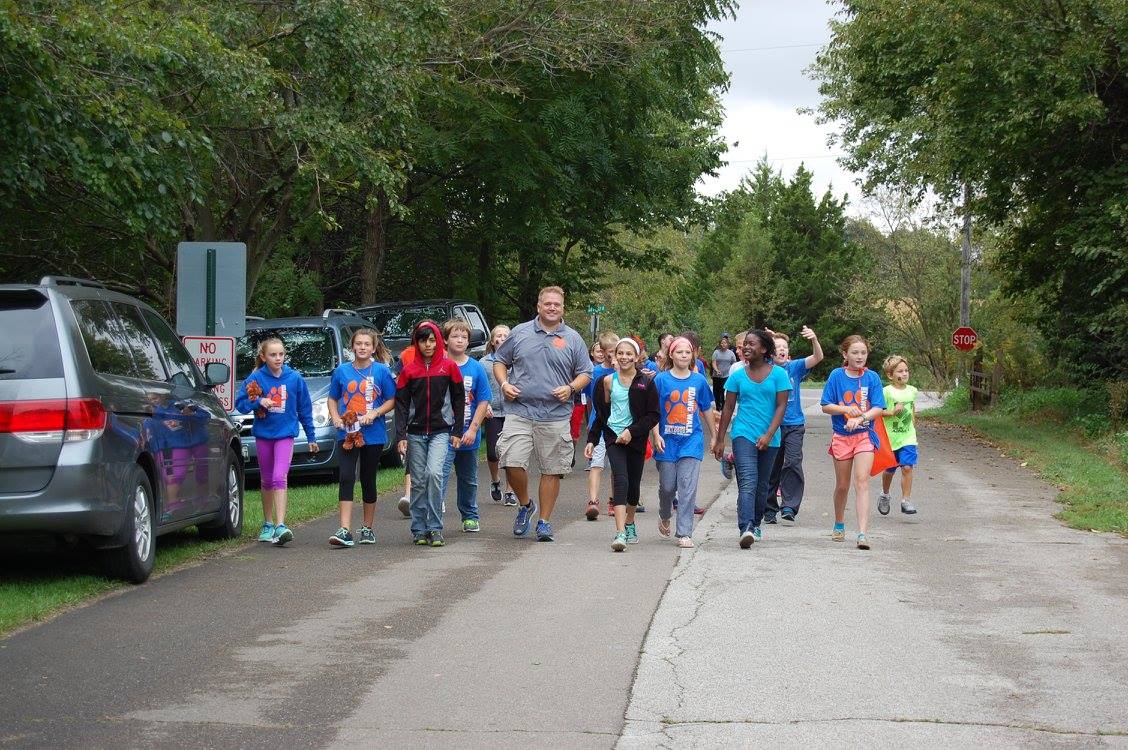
598	455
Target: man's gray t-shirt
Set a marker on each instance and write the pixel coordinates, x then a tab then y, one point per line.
539	361
723	360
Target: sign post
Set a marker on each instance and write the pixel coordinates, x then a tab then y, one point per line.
205	349
964	338
594	311
211	288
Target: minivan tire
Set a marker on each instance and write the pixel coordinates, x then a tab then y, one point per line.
229	525
134	561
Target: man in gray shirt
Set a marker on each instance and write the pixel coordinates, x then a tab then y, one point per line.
540	367
723	360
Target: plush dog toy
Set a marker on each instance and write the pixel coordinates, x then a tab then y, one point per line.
352	439
254	390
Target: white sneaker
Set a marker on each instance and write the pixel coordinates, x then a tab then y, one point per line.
883	504
404	506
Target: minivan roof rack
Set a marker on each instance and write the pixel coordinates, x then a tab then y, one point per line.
70	281
337	311
254	317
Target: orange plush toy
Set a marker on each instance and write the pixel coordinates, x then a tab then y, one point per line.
352	439
254	390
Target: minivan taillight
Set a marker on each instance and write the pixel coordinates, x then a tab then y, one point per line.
53	420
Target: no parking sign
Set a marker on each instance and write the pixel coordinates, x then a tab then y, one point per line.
205	349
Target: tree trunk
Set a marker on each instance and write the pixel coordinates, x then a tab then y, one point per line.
375	248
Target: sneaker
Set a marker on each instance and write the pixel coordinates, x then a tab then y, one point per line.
342	538
437	539
698	510
266	533
685	542
632	534
420	540
757	534
907	508
769	518
619	543
366	536
863	543
471	526
664	528
510	499
495	491
524	517
838	534
747	538
610	510
544	531
592	511
282	534
404	506
787	514
883	504
640	508
727	466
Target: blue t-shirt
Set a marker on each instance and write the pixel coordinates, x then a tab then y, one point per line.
796	372
650	365
362	390
756	402
477	390
680	403
847	390
597	374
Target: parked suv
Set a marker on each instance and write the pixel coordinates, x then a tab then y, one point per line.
315	346
394	320
108	432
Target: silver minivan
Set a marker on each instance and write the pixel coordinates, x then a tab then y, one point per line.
109	434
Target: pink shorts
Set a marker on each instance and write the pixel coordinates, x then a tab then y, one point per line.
845	447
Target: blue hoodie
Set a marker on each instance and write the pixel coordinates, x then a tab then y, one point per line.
279	421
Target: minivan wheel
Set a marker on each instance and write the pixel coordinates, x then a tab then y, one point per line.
134	561
230	523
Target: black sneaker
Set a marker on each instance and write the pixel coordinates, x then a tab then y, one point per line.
420	540
437	539
640	508
769	518
366	536
787	514
495	491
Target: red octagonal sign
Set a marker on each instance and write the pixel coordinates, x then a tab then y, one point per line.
964	338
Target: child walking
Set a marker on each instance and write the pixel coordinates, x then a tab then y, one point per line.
279	399
852	397
626	409
598	459
900	425
463	458
679	440
495	418
361	392
424	434
759	391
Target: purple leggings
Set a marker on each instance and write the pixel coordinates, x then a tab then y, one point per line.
274	461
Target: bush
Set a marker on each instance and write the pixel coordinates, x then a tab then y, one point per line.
1117	402
1085	409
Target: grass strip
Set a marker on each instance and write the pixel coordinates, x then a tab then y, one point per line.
36	587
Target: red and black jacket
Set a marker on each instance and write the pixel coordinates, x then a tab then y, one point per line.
429	398
642	396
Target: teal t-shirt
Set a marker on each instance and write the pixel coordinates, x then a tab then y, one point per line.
620	406
756	402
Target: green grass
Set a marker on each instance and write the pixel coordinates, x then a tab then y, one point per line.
35	587
1062	436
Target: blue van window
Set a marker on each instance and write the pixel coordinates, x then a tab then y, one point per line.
105	343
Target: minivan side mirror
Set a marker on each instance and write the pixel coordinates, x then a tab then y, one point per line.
477	337
216	373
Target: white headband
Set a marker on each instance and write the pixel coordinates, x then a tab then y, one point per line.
632	342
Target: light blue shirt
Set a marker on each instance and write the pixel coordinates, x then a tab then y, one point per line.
756	402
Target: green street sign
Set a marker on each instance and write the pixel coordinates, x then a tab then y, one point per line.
596	309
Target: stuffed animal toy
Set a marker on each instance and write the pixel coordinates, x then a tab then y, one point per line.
254	390
352	439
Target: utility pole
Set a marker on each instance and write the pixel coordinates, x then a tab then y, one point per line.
965	265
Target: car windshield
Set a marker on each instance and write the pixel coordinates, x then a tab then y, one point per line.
310	351
397	322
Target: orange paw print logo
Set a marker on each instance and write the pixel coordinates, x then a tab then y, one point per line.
354	397
677	407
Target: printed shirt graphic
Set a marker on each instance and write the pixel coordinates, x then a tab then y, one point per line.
756	402
477	390
796	372
862	390
679	414
277	394
360	391
900	427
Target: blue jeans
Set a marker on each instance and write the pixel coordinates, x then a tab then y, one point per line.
753	475
465	464
425	457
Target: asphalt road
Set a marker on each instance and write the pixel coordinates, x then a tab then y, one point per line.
492	641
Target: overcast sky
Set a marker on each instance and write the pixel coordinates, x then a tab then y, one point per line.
765	51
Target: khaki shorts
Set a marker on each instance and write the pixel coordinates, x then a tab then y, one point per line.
551	441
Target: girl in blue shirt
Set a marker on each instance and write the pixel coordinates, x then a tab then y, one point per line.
760	389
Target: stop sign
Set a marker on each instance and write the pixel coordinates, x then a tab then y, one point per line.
964	338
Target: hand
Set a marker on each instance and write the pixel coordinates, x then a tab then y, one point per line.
589	451
763	441
313	447
338	423
769	331
808	334
470	435
401	448
510	391
853	411
455	442
624	438
658	443
718	448
854	423
267	403
900	407
489	411
563	393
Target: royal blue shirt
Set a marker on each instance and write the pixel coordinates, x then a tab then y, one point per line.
362	390
864	391
680	403
597	374
293	404
796	372
477	388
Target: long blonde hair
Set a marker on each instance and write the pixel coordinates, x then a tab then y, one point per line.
490	348
261	352
380	352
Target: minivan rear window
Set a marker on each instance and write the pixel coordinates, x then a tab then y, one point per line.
29	348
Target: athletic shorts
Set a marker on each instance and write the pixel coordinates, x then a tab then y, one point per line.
549	442
906	456
845	447
598	455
